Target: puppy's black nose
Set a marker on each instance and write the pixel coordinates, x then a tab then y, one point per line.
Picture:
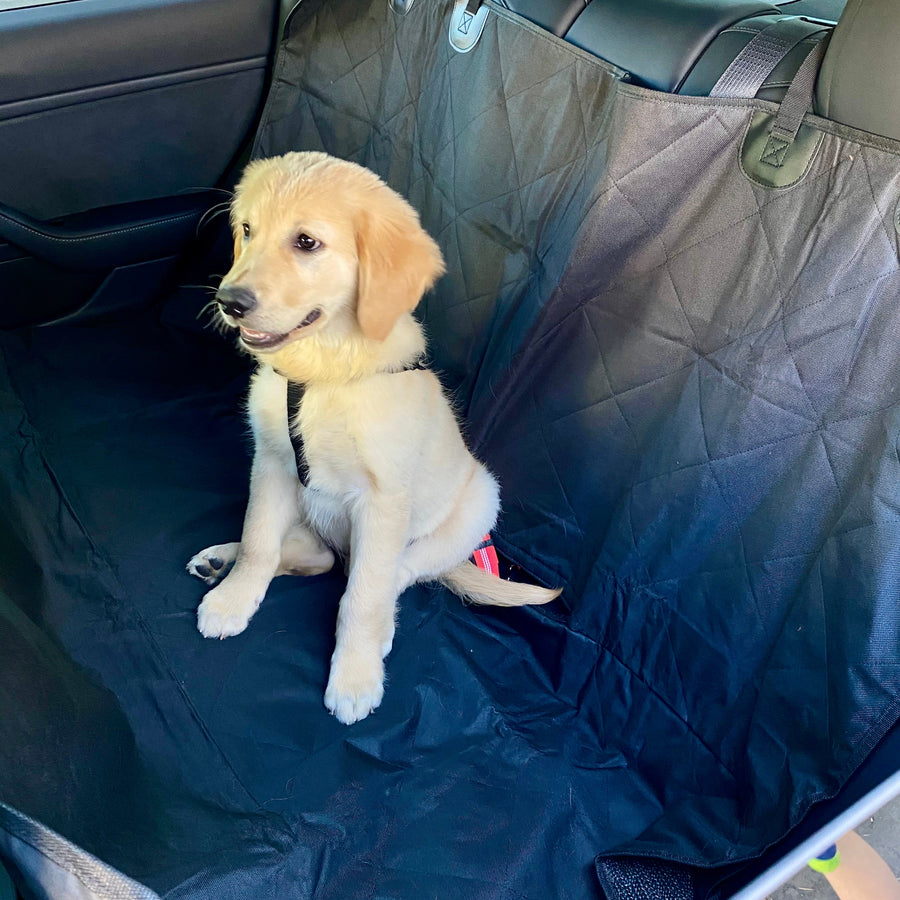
236	301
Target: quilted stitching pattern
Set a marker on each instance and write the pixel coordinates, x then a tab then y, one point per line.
774	151
685	382
464	138
714	444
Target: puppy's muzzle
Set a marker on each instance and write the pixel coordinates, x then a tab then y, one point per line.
236	301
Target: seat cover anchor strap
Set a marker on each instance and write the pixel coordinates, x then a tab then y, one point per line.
466	24
797	101
778	149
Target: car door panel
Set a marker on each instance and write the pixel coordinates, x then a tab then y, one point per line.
79	43
159	103
115	116
142	145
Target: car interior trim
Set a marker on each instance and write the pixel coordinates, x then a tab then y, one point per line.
18	108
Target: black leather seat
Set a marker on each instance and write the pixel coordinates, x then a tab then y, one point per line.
796	32
859	82
658	41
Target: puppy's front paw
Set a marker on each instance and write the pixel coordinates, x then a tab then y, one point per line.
212	564
355	685
225	611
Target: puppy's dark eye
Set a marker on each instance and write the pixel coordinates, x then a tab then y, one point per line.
246	227
307	243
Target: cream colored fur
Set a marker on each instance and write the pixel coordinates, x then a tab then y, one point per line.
392	487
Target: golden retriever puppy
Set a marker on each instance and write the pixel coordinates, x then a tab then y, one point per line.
363	455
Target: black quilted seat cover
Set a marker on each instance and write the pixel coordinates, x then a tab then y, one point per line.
688	386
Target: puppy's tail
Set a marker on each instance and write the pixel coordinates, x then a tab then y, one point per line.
477	586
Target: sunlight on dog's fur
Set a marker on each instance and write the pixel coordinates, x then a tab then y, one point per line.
329	263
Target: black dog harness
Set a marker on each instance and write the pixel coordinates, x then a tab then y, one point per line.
295	392
485	555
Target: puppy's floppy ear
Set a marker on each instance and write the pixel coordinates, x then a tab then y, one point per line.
398	262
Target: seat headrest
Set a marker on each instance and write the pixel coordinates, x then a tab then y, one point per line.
859	83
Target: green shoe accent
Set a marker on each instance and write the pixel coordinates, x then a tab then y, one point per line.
825	865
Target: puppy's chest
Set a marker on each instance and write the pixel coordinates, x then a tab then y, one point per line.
325	443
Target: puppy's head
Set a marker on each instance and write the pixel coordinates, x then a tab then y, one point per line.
322	246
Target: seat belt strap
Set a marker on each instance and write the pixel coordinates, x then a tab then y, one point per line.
753	65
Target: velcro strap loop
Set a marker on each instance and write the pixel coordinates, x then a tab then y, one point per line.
797	101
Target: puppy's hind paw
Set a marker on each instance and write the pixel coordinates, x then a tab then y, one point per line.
213	564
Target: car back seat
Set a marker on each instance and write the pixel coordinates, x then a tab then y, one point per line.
681	375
